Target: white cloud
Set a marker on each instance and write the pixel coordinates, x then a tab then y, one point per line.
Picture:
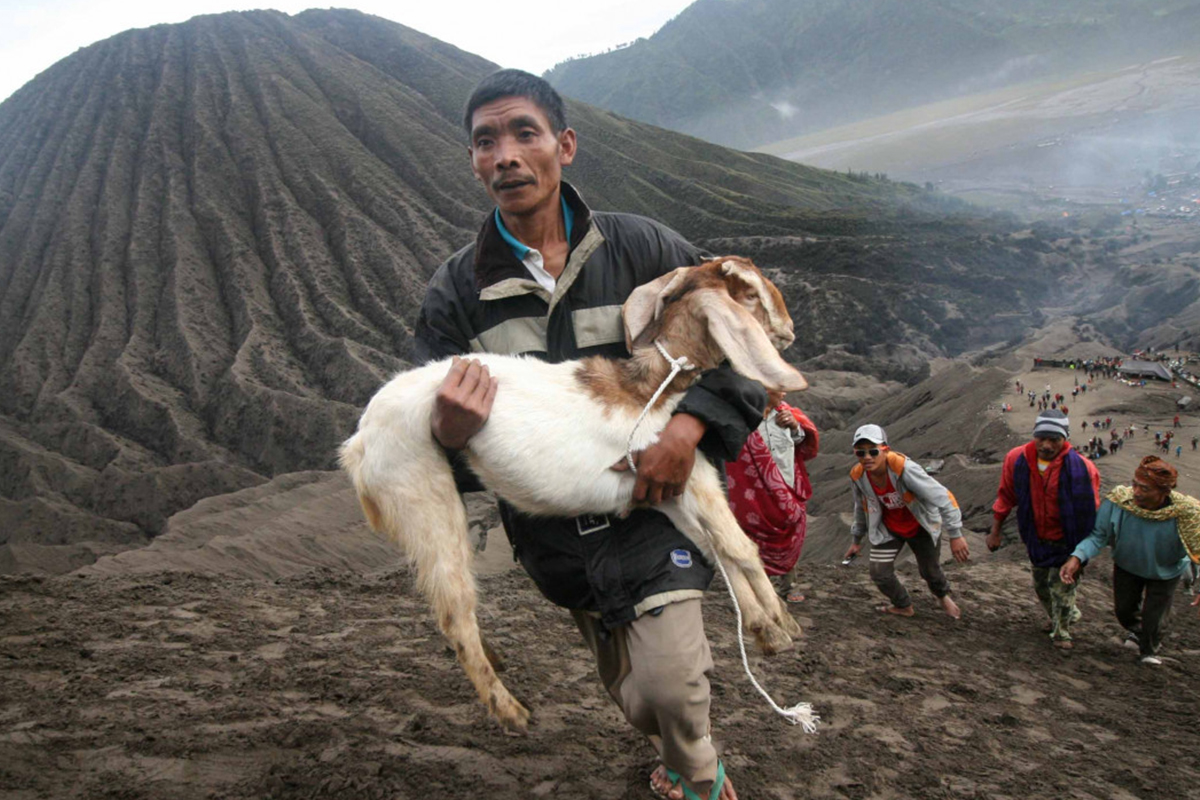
785	109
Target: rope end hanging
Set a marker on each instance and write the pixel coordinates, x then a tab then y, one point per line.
802	714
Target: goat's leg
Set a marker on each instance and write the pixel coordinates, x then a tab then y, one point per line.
729	537
425	515
719	518
692	513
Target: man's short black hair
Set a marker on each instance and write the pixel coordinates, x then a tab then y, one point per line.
517	83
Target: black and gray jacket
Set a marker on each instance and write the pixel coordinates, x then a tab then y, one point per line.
484	300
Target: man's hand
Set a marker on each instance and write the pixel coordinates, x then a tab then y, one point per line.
663	467
993	538
853	551
1069	570
960	549
463	403
784	419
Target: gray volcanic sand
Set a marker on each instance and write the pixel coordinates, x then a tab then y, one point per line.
263	666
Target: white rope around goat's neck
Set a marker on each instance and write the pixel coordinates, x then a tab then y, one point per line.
800	714
677	365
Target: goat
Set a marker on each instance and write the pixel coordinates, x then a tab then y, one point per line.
553	434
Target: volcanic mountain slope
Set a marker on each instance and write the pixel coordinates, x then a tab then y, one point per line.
748	72
214	238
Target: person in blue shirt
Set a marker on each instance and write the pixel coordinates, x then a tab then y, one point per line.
1155	535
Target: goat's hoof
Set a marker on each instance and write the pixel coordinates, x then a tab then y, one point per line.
511	715
772	640
790	626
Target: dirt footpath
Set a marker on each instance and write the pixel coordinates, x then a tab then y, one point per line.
338	685
1152	405
332	683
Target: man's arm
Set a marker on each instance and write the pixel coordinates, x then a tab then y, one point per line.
730	407
717	419
859	529
1090	547
1006	498
932	492
464	400
441	328
1006	495
1094	474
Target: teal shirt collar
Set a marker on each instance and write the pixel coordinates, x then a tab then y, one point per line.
520	250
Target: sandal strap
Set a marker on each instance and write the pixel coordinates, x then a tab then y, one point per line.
689	794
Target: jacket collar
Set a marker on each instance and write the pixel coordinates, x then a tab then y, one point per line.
895	462
494	257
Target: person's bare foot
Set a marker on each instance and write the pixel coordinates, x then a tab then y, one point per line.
907	611
660	784
950	607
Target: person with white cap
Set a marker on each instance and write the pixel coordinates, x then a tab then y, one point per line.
897	503
1056	492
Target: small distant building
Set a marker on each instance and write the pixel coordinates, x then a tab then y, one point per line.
1146	369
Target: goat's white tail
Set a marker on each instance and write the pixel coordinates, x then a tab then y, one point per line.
409	495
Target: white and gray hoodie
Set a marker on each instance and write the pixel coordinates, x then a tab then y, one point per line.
931	503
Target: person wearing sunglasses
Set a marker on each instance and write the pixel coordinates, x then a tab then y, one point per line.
897	503
1055	492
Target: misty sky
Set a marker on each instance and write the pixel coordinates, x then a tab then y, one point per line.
532	34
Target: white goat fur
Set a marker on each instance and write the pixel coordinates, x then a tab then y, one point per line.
547	449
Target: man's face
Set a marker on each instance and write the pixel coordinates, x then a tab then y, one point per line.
1048	447
1148	496
872	456
517	156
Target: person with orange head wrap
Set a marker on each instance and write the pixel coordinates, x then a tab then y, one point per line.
1155	534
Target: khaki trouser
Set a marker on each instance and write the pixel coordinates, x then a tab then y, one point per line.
657	668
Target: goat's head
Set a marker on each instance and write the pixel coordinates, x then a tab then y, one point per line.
723	309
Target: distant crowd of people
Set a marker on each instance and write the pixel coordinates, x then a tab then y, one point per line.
1106	367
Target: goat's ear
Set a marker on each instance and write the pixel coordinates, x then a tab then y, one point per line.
745	343
645	303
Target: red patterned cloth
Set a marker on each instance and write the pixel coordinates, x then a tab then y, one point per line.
771	512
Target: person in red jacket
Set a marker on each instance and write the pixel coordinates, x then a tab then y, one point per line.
769	488
1056	492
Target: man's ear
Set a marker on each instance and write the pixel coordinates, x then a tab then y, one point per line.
568	145
471	158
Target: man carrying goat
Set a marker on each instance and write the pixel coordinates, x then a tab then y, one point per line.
547	277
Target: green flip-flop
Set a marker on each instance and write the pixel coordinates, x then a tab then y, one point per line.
688	794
